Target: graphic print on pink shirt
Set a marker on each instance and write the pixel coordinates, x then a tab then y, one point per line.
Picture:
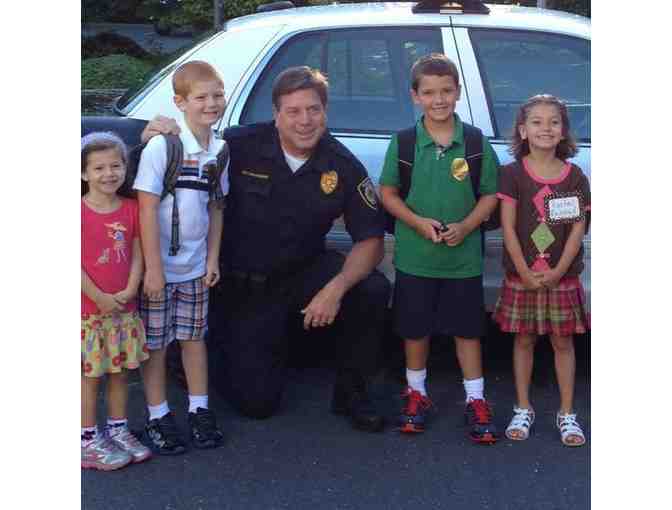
116	231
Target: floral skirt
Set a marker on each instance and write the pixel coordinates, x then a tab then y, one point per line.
559	311
112	342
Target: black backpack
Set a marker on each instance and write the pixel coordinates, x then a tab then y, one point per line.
473	142
175	157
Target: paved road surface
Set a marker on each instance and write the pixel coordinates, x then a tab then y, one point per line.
307	458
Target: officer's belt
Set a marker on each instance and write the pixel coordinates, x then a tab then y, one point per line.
259	280
267	281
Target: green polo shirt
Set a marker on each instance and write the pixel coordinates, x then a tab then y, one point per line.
436	193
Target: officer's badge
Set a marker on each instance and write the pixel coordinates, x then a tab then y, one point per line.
368	193
460	168
329	181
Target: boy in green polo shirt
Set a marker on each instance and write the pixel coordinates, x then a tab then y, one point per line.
438	254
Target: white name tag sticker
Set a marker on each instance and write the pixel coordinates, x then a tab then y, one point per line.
564	207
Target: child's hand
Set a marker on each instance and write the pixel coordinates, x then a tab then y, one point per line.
453	234
551	278
212	274
125	296
153	284
532	280
428	228
107	304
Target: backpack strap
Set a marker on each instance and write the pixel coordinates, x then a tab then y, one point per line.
215	176
473	153
406	157
174	158
473	140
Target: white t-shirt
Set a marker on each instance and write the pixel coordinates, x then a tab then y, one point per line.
294	163
192	201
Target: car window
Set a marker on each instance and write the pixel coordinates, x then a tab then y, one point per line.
368	72
516	65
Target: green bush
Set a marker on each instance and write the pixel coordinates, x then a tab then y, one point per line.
199	13
113	72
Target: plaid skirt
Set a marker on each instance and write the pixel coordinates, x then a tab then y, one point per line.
559	311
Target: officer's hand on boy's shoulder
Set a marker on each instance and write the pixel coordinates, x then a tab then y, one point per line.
160	125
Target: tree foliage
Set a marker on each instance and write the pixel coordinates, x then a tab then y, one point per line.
123	11
581	7
199	13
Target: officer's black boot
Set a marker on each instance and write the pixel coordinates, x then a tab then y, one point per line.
351	399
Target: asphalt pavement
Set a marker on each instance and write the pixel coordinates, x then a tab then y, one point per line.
305	457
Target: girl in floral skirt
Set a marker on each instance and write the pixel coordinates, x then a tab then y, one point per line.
545	204
113	336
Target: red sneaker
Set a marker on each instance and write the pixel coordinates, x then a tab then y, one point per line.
413	414
479	417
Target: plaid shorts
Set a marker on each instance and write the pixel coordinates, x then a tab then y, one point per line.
181	314
559	311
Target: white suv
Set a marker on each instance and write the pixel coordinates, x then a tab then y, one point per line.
505	54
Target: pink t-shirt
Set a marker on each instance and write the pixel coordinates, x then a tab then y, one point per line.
107	249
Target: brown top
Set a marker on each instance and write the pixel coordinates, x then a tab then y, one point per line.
541	239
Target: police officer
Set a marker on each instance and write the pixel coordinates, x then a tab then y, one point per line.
289	181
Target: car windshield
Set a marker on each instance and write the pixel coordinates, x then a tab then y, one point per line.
135	94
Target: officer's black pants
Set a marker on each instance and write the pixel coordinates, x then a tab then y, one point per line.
249	332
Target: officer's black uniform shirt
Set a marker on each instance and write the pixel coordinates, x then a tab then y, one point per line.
277	220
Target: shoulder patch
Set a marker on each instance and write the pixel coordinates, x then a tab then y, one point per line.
368	193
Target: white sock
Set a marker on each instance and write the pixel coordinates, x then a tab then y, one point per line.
416	379
156	412
89	434
196	401
474	388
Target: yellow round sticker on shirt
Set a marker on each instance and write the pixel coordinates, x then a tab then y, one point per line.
460	168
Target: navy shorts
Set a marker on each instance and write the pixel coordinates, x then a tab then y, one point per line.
425	306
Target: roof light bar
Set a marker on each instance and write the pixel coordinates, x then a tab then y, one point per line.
443	7
275	6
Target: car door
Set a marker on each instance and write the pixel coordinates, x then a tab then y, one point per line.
502	68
